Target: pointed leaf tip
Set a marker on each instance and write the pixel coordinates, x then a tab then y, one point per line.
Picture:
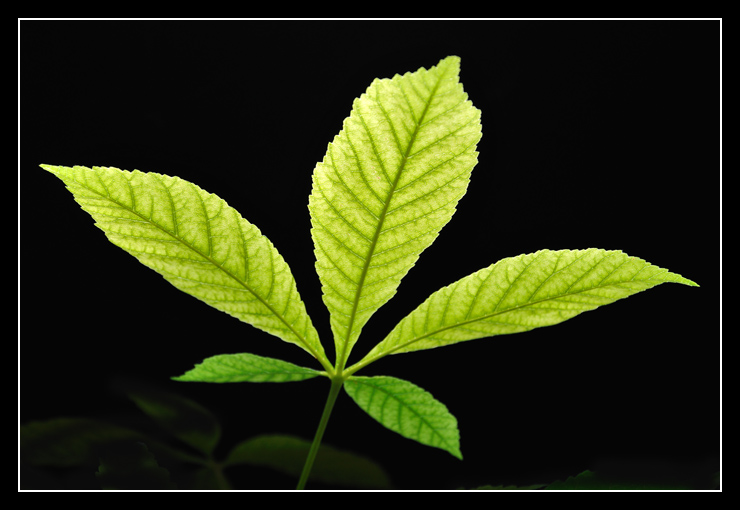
246	367
522	293
199	244
389	182
407	410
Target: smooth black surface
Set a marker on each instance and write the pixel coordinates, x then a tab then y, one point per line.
595	134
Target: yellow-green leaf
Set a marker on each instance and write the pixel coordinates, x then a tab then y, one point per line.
519	294
389	182
407	410
246	367
199	244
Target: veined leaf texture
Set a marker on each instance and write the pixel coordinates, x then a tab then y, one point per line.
389	182
407	410
246	367
199	244
522	293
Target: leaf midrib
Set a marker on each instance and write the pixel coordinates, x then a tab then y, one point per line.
341	360
363	363
200	253
422	419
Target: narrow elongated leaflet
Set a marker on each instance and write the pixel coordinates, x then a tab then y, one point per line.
522	293
199	244
389	182
246	367
406	409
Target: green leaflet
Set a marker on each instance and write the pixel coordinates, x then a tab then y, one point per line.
406	409
246	367
199	244
389	182
521	293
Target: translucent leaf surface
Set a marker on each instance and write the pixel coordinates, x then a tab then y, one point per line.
406	409
522	293
389	182
199	243
245	367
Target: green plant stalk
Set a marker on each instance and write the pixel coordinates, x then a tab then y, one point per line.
336	386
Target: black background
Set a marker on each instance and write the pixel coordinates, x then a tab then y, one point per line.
595	134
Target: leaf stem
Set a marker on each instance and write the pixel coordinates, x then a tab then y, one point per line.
336	385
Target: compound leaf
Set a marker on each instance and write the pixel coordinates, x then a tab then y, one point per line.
389	182
406	409
519	294
199	244
246	367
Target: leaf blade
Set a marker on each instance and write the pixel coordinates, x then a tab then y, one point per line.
521	293
407	410
246	367
388	184
198	243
